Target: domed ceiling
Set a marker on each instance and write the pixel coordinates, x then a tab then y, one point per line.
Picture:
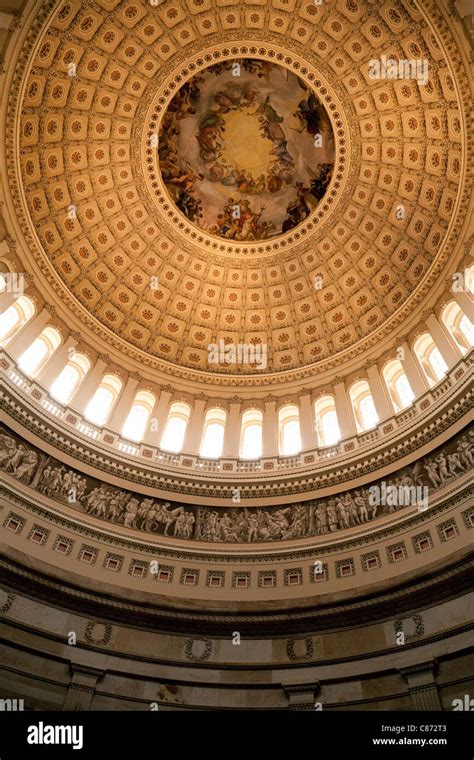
253	129
173	203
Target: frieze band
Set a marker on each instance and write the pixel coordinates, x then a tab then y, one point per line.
409	486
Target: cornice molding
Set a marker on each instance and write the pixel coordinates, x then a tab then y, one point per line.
415	595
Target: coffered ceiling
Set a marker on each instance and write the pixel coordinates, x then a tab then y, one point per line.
92	84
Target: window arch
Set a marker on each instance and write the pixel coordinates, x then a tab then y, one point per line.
398	385
175	428
363	405
459	325
469	278
71	376
38	353
251	434
467	329
430	358
100	406
327	425
212	439
15	317
136	424
289	430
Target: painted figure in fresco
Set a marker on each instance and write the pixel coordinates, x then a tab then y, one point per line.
8	448
143	512
164	515
16	459
342	516
308	114
131	510
114	507
245	224
152	516
252	534
27	468
442	467
183	184
465	448
307	197
184	101
331	515
432	472
454	463
361	505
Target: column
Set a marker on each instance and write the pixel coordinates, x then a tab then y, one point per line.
122	407
422	685
466	302
446	345
58	361
270	428
307	426
7	18
231	446
302	696
158	417
7	298
89	386
379	393
18	345
418	382
82	687
345	414
193	435
17	282
10	293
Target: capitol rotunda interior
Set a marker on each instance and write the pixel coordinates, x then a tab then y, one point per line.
236	350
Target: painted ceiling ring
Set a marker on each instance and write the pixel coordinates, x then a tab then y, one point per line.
302	184
250	128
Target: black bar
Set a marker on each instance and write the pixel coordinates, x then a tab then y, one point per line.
185	734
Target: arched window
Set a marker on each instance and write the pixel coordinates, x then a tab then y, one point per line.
363	405
175	428
327	425
36	355
100	406
398	385
139	416
68	381
289	430
467	329
213	434
15	317
459	325
430	358
251	434
469	278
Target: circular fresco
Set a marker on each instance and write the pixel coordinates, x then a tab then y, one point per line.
246	150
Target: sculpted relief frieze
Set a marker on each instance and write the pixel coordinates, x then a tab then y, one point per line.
410	486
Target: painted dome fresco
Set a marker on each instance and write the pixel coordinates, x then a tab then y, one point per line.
246	150
178	189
